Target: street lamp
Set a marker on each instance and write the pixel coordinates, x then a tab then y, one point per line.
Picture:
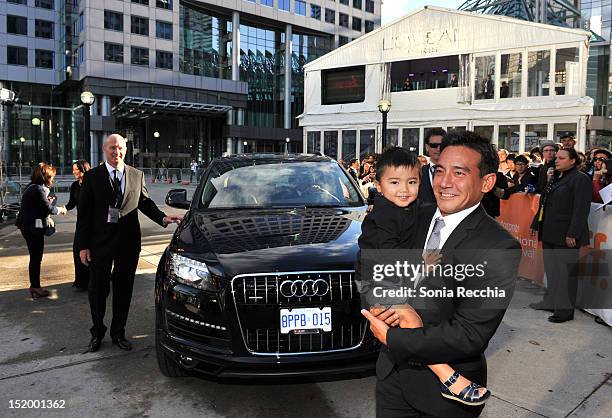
36	122
156	136
87	99
383	107
21	142
287	140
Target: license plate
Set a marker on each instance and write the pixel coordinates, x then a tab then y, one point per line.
298	319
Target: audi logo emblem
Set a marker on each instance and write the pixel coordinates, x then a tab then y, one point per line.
302	288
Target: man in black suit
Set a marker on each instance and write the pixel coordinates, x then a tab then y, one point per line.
433	141
456	330
108	234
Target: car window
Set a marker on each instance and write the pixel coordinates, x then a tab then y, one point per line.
310	184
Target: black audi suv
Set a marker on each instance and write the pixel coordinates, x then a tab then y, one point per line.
258	280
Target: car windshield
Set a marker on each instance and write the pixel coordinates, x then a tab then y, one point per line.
308	184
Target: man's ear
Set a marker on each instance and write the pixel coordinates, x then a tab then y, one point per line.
488	182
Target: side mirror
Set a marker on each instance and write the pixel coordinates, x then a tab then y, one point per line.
177	198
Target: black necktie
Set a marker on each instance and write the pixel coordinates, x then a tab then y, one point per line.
117	190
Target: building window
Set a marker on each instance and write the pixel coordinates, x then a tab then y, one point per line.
164	4
315	11
349	145
410	139
113	52
508	137
567	72
484	82
81	53
370	6
143	2
313	142
330	16
343	40
18	1
140	56
43	58
140	25
269	3
344	20
113	20
284	5
534	134
367	143
511	74
163	60
163	30
81	22
538	64
425	73
16	25
16	55
330	144
44	4
43	29
300	7
369	26
357	4
346	2
357	24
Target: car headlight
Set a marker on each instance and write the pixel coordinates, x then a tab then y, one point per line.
191	272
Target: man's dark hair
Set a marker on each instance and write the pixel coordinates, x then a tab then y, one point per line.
396	157
568	136
352	161
521	159
489	161
434	132
511	157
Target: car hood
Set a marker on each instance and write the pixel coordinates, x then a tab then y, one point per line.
279	240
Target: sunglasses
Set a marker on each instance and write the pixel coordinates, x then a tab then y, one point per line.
599	159
434	145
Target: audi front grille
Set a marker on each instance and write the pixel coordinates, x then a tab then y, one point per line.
258	299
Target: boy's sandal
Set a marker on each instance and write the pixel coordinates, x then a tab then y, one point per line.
470	395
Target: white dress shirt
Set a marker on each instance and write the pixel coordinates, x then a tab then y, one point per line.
120	174
450	223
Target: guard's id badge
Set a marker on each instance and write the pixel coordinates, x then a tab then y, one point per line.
113	215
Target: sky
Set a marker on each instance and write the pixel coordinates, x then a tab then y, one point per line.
392	9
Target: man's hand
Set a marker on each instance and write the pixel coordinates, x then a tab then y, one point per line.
408	317
386	314
377	326
175	219
570	242
85	256
61	210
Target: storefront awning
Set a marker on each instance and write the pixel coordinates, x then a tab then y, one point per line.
141	108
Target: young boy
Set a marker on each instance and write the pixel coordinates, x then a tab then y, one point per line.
390	225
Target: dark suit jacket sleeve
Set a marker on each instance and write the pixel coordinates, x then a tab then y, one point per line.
85	215
147	206
467	332
72	201
583	191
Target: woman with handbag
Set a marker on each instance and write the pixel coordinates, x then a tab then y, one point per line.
35	222
81	271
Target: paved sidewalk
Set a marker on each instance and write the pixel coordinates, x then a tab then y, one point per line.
535	368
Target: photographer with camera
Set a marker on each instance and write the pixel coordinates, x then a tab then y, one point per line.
602	176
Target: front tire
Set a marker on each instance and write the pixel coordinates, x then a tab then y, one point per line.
168	366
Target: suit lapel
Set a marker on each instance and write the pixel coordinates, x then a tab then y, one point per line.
462	230
106	184
128	174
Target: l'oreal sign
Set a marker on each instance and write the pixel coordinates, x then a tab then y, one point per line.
429	42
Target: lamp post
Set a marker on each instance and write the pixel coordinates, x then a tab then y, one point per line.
21	142
287	140
383	107
36	122
156	136
87	99
245	143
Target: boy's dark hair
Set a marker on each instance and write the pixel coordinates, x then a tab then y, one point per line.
489	160
434	132
511	157
396	157
521	159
